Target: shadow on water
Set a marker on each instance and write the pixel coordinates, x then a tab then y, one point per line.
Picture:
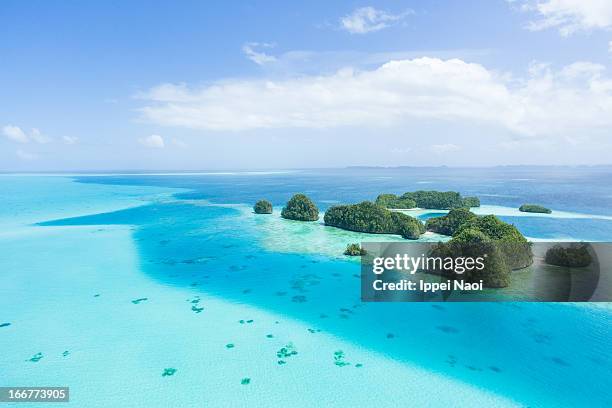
529	352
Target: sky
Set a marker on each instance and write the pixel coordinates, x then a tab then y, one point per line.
217	85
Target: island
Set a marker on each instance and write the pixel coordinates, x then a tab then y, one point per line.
505	247
300	208
450	223
263	207
507	237
470	201
394	202
471	243
434	200
573	256
534	208
354	250
374	219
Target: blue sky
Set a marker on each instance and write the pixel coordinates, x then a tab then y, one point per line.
249	85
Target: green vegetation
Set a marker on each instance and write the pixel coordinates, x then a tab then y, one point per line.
574	256
534	208
371	218
470	202
505	247
435	200
263	207
448	224
300	208
354	250
512	243
472	243
393	201
438	200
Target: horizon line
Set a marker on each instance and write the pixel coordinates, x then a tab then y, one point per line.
163	172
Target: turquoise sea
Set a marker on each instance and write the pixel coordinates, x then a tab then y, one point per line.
109	280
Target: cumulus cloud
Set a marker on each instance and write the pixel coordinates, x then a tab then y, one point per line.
569	16
545	101
38	137
15	134
70	140
258	57
368	19
153	141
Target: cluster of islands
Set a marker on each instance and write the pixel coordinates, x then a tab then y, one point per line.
506	247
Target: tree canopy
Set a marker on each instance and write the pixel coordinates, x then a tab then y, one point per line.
472	243
574	256
435	200
470	202
393	201
371	218
300	208
263	207
513	244
438	200
534	208
354	250
448	224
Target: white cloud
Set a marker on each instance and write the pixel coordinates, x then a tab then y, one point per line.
260	58
570	16
368	19
15	134
153	141
610	47
23	155
38	137
545	102
444	148
70	140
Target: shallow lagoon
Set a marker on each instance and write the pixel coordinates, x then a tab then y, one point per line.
206	276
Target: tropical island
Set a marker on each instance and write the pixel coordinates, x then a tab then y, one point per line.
471	235
354	250
394	202
374	219
458	221
450	223
263	207
573	256
470	202
300	208
506	248
534	208
435	200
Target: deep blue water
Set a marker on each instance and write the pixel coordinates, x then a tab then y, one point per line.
575	189
538	354
578	189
